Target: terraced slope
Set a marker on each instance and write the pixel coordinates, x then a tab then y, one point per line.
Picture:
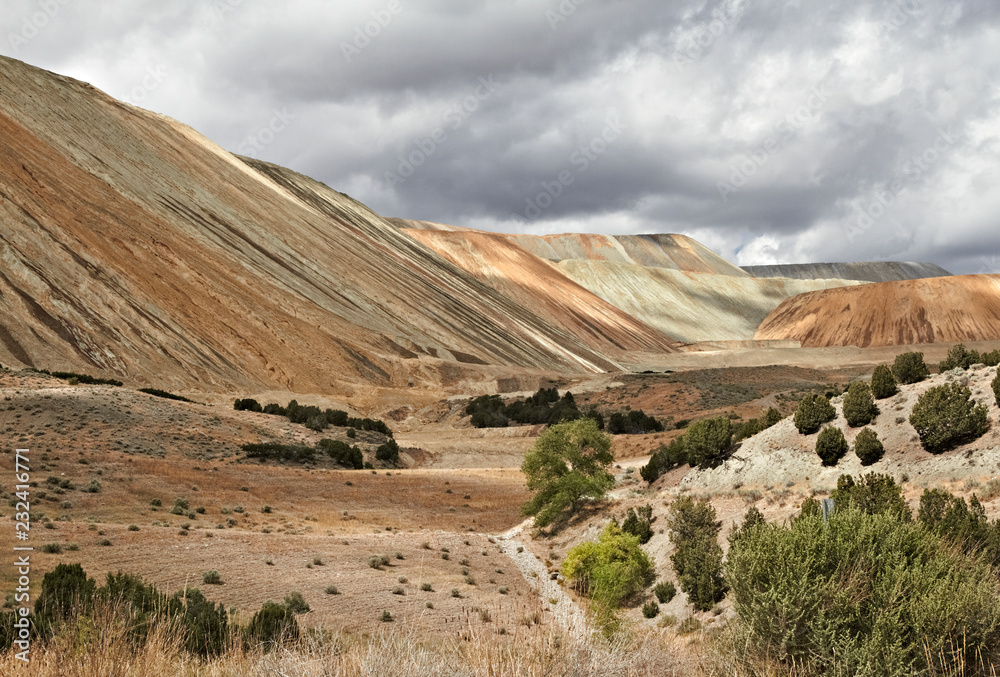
873	271
498	261
934	310
668	282
132	246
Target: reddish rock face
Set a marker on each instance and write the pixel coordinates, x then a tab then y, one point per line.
933	310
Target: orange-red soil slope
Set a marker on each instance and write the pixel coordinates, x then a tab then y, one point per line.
933	310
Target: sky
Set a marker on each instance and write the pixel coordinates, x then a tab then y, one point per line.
771	131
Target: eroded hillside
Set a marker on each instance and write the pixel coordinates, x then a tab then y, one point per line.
935	310
133	246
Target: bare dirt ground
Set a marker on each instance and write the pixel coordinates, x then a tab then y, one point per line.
271	529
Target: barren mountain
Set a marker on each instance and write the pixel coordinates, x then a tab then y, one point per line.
132	246
874	271
934	310
669	282
500	263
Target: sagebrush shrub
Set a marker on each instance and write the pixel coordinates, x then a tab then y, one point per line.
799	595
273	625
872	494
946	417
650	609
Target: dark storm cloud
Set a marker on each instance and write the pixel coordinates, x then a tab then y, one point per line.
772	131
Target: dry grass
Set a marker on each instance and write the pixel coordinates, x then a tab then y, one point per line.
81	651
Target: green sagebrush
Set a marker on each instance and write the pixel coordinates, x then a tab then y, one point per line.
864	595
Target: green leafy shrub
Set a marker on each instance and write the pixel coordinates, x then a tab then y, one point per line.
664	591
859	405
813	411
86	379
868	447
996	387
920	606
831	445
756	425
707	442
206	623
650	609
872	494
962	524
634	422
295	453
342	453
959	357
883	382
910	368
388	452
247	404
639	523
568	463
991	359
609	570
66	591
296	603
665	459
272	626
697	557
946	416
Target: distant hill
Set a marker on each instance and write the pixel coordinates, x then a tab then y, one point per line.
669	282
878	271
933	310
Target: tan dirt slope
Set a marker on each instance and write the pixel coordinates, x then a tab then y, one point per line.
934	310
540	284
134	247
669	282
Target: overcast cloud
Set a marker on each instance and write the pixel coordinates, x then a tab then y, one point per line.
772	131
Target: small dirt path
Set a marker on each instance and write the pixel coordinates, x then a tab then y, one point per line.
564	612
